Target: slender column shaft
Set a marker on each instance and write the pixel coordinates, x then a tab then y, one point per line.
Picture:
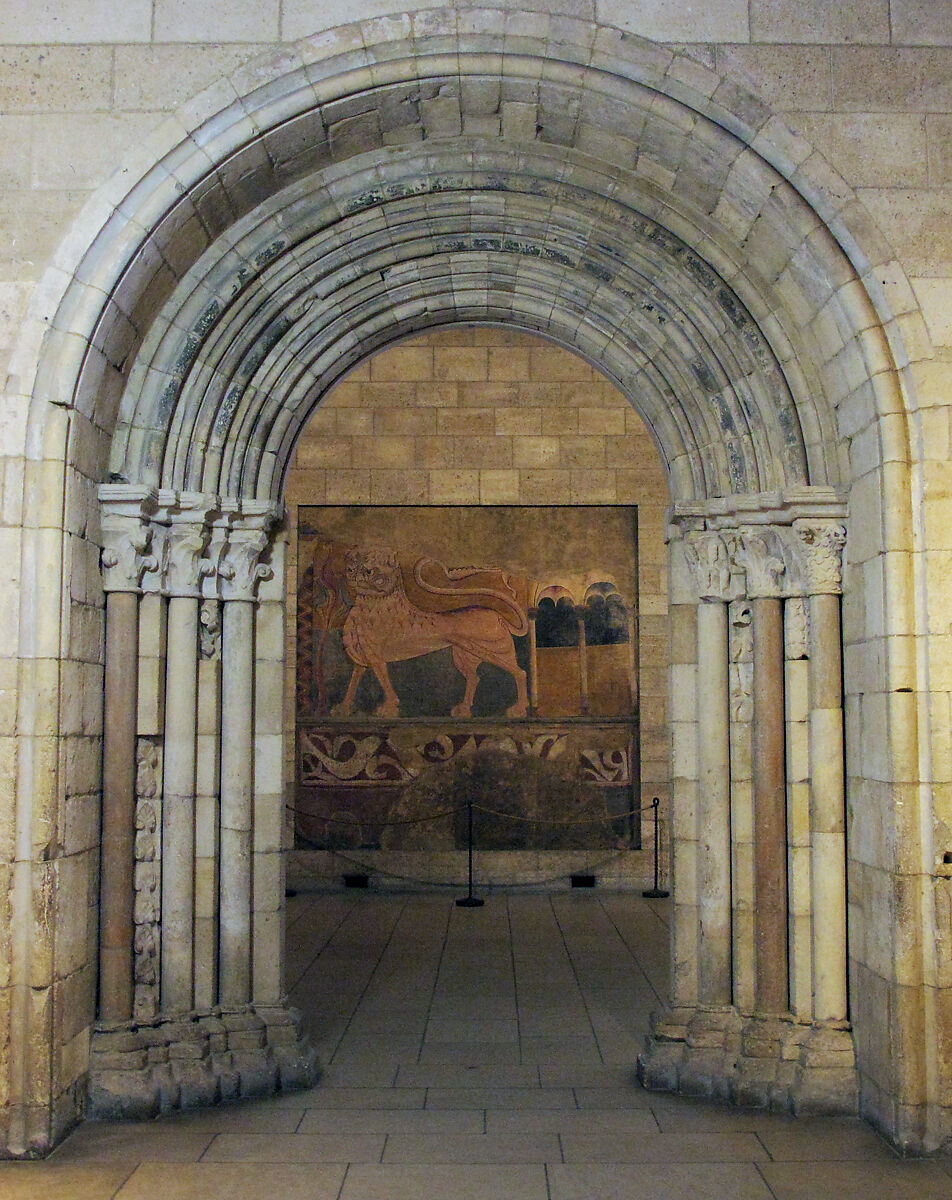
236	801
116	885
770	833
827	810
178	805
713	837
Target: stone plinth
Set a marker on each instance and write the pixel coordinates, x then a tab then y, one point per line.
770	1062
137	1071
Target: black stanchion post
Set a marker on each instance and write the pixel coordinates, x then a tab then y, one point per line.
469	900
654	893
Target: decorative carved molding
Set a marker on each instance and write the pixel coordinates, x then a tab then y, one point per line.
710	562
241	569
820	544
741	676
209	630
147	910
127	536
758	551
183	564
795	629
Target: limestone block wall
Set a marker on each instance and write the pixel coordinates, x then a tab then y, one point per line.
865	84
480	415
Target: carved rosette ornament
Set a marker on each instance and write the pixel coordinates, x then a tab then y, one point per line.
707	556
821	548
758	550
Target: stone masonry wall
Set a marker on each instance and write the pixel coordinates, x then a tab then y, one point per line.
486	416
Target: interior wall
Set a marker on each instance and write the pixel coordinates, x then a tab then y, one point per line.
481	415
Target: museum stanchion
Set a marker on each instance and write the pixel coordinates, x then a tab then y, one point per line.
469	900
656	893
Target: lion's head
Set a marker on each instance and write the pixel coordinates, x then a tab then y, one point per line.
373	571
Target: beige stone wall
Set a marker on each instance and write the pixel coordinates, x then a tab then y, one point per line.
475	415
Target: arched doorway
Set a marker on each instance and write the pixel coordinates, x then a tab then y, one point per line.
268	255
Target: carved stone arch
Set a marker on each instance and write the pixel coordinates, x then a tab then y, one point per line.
692	203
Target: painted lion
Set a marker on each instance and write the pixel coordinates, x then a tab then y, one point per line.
402	610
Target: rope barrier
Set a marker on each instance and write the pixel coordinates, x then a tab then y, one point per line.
374	869
631	812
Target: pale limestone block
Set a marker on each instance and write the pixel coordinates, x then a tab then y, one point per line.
76	151
151	78
868	79
237	21
499	487
797	690
786	77
816	21
268	956
935	298
801	984
880	149
798	813
269	633
683	693
269	820
669	21
55	78
398	487
918	226
95	21
920	23
268	757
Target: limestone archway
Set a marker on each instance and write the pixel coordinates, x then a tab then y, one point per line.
622	201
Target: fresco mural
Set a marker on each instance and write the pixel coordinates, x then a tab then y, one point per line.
448	652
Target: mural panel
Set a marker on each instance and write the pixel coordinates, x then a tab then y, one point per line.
453	654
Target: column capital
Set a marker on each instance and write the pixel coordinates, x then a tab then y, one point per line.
759	551
708	557
185	537
126	515
820	545
240	568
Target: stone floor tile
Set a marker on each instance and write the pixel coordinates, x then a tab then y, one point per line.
294	1148
469	1054
662	1148
814	1141
393	1120
366	1075
614	1123
60	1181
491	1032
366	1097
612	1097
557	1075
98	1141
233	1181
262	1117
462	1148
580	1051
677	1114
897	1180
672	1181
500	1098
445	1182
436	1076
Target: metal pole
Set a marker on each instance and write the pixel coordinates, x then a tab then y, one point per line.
469	900
656	893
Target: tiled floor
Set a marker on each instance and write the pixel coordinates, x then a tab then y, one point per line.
476	1054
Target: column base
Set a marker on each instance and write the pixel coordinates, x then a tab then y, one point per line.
137	1070
755	1061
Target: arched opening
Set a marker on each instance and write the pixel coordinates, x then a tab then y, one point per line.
361	198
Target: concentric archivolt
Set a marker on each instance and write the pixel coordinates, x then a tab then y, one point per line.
575	192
